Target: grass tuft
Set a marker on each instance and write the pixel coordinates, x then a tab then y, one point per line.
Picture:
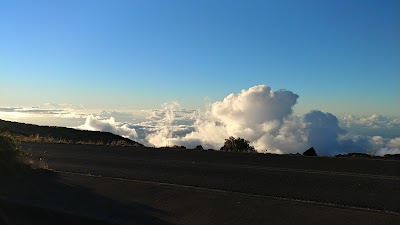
43	139
14	161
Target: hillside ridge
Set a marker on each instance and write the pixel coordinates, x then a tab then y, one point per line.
38	133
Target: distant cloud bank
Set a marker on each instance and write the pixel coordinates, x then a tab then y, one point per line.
258	114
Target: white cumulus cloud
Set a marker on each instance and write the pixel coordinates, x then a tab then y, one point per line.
265	118
258	114
109	125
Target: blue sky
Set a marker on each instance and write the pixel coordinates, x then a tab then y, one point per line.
338	56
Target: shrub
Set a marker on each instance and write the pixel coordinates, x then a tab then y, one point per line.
237	145
11	158
14	161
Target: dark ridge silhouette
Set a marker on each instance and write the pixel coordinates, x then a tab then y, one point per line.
30	132
355	154
173	147
310	152
178	147
394	156
288	154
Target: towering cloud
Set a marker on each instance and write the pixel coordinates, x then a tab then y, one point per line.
249	114
259	114
323	131
254	106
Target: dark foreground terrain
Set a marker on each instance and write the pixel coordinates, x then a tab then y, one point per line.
149	186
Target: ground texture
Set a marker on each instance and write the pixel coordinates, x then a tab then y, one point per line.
149	186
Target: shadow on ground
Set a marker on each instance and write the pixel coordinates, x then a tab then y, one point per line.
44	198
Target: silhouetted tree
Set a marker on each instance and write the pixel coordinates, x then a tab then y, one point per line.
237	145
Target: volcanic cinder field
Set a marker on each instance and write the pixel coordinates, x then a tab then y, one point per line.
138	185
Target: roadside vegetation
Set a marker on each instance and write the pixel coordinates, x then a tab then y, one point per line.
12	160
40	139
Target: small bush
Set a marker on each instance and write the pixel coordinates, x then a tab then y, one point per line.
13	161
11	157
237	145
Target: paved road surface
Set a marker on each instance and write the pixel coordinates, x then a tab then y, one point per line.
333	185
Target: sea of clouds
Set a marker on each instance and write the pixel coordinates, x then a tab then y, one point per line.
258	114
262	116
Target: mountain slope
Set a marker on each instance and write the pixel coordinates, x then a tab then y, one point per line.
36	133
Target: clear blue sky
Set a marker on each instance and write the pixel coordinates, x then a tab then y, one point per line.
340	56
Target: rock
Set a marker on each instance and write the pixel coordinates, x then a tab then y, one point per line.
310	152
199	147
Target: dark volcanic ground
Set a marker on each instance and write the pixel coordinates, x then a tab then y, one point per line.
365	183
114	185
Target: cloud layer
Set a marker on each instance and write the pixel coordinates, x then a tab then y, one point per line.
372	125
262	116
265	118
258	114
109	125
